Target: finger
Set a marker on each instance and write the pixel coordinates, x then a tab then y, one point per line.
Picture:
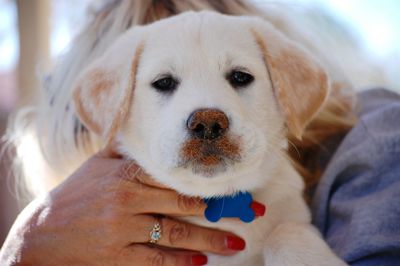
165	201
145	178
171	204
196	258
179	234
140	199
258	208
131	171
153	256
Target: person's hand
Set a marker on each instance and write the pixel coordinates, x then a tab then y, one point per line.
103	214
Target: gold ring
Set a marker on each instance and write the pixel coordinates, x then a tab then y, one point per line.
155	233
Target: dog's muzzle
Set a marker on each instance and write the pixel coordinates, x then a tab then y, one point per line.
209	148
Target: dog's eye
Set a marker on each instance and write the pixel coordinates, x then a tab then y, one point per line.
166	84
239	79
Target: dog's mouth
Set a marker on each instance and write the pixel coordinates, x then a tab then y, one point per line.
209	157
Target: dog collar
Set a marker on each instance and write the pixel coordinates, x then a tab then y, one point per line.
233	206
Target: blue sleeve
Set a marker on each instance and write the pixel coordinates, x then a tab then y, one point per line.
357	203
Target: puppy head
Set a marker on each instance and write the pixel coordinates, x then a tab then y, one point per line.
201	100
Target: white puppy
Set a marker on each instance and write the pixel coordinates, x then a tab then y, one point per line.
204	102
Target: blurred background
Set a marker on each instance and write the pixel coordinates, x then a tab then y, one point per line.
35	32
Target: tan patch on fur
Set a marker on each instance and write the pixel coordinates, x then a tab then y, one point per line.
301	76
210	153
299	88
210	160
125	106
310	138
85	116
102	83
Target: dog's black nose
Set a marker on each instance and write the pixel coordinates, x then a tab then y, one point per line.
207	124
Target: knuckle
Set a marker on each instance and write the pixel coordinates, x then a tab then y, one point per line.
187	204
156	259
123	197
178	232
212	241
128	171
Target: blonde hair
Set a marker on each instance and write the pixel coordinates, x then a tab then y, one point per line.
64	143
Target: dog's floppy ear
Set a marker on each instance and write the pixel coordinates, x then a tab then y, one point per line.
103	92
300	84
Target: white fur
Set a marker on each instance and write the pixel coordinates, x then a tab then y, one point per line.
199	49
155	144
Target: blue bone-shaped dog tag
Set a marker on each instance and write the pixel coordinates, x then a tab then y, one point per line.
236	206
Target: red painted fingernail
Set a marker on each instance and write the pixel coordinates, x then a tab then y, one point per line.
258	208
235	243
198	260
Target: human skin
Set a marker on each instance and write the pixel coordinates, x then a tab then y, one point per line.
102	215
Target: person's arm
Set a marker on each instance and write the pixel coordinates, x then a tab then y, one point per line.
102	215
357	203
